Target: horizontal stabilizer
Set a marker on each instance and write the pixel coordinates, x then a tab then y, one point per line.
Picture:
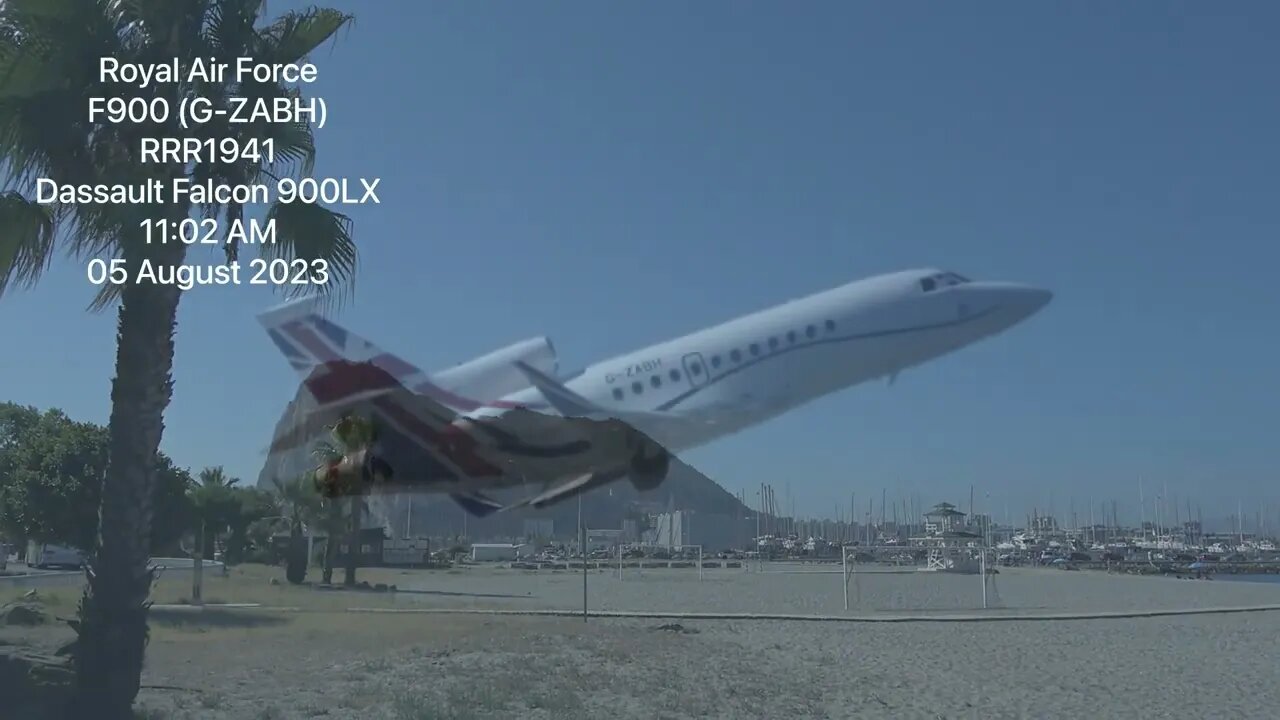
565	401
564	491
477	504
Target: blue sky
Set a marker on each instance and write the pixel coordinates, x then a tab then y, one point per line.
612	175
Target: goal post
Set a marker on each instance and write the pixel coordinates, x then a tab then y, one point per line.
681	548
846	570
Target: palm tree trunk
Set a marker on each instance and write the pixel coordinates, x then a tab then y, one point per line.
332	530
295	559
113	612
353	542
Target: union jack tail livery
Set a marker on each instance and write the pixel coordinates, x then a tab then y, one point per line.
308	340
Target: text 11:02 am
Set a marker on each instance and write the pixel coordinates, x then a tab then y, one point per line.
191	231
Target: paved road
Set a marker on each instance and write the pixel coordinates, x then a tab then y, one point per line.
31	577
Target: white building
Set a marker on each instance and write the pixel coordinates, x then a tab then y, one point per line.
684	527
489	552
943	518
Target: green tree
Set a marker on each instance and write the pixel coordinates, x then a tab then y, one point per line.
224	509
49	53
252	506
51	476
215	505
173	510
301	505
14	420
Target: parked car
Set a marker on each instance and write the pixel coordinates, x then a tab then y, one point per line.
49	555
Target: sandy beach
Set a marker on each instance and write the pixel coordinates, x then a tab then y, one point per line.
259	665
816	589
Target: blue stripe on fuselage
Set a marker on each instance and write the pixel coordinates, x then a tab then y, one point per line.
673	402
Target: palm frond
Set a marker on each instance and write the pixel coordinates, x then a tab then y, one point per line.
26	240
229	28
49	58
294	35
311	232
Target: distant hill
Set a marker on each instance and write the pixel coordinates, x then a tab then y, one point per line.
436	514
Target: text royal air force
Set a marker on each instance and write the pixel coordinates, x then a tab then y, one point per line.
144	75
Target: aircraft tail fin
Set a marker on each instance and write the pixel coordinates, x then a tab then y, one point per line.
308	340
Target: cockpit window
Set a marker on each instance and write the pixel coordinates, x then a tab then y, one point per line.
942	280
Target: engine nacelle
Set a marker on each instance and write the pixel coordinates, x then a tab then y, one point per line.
649	466
353	474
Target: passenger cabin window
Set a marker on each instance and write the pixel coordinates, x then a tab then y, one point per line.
674	375
656	381
773	343
755	348
637	387
617	393
735	355
791	337
810	332
831	325
715	361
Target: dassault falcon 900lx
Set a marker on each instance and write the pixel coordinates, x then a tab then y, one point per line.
507	419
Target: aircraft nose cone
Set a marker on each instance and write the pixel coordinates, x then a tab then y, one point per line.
1011	303
1037	298
1025	301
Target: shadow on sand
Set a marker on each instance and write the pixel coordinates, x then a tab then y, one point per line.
213	618
447	593
412	591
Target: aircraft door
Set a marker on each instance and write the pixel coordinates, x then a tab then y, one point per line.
695	369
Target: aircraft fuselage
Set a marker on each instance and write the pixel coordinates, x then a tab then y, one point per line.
750	369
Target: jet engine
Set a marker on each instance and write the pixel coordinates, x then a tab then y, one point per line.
649	466
353	474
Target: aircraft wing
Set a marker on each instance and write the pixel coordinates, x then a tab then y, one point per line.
576	485
571	404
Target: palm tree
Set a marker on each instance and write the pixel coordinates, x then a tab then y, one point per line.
216	477
251	505
352	437
216	506
332	529
49	69
301	505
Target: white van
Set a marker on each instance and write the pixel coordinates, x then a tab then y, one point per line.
47	555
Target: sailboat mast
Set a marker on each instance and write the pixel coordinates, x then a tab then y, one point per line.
1142	510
